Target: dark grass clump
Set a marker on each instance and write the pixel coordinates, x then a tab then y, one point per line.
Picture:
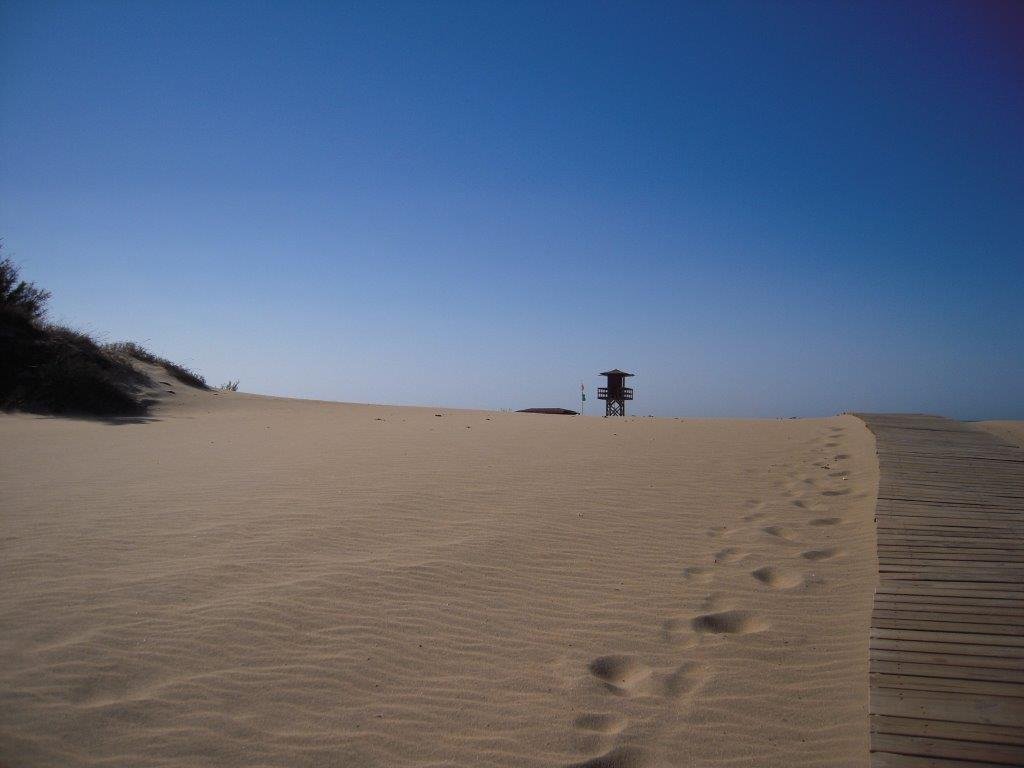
18	297
52	369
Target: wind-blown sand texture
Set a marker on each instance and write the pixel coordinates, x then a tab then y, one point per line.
250	581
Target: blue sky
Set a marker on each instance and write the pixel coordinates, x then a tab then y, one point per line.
763	209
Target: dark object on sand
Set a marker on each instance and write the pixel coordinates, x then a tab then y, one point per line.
556	411
616	393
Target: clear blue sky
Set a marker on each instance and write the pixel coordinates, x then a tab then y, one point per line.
763	209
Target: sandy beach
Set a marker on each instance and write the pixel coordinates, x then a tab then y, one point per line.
772	251
251	581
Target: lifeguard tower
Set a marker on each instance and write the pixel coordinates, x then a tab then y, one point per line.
616	393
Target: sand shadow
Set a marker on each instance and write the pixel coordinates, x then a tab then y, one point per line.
110	420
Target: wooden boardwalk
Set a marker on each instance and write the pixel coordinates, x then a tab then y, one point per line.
947	630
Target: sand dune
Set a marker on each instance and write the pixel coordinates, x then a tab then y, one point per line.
248	581
1010	432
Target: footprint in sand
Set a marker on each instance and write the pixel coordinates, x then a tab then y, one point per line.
811	506
729	623
683	679
777	578
677	632
837	492
622	675
729	555
595	722
594	729
821	521
697	573
831	444
628	676
781	533
841	456
821	554
755	516
620	757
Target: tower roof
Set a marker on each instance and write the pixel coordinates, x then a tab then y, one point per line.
614	372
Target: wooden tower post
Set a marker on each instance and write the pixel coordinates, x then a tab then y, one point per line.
616	393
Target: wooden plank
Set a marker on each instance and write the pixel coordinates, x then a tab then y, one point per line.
961	545
967	499
922	515
966	536
950	559
982	550
892	498
947	628
950	749
946	533
1000	486
934	646
917	609
952	541
993	490
946	659
951	603
948	671
908	525
966	457
889	760
912	726
1005	572
949	684
932	563
1006	519
933	636
901	612
951	627
948	705
1000	581
950	588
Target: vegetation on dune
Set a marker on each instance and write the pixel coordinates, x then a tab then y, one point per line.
139	352
19	297
50	368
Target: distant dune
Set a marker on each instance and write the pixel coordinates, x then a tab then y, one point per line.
236	580
1011	432
552	411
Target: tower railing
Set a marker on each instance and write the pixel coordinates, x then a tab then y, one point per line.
625	393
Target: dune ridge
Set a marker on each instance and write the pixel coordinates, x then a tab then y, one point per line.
267	582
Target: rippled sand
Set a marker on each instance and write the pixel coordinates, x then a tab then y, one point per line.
249	581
